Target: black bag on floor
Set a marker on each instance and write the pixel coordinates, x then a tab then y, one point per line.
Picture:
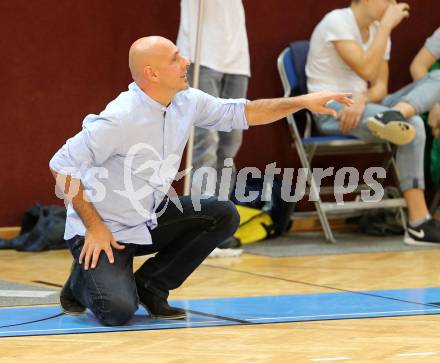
381	222
42	229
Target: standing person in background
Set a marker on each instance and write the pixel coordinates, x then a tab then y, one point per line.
224	73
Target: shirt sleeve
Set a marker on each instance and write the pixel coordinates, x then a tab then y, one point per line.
387	55
99	139
337	28
220	114
433	44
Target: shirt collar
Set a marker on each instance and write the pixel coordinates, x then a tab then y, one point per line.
146	98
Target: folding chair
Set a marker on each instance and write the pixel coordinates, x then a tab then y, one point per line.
291	66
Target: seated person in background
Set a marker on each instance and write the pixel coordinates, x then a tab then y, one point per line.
424	62
349	52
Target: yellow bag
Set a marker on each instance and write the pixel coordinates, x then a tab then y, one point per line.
255	225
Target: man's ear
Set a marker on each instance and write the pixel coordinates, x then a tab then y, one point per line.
150	74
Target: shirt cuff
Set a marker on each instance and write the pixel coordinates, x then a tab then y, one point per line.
240	122
64	168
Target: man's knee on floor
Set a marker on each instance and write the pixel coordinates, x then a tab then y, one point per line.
116	311
234	216
227	211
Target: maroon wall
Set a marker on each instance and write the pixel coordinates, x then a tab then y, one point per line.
63	59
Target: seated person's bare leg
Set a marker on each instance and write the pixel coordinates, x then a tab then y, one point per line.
417	209
405	109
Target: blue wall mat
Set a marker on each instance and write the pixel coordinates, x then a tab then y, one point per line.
87	323
422	296
219	312
328	306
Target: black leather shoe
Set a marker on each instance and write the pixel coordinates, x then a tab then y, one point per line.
158	307
68	302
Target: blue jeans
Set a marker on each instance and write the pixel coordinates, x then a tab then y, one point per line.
212	147
422	95
182	241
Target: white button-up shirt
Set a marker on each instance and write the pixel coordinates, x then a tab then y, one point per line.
128	155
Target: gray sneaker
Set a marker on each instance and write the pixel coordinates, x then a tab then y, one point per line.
391	126
427	234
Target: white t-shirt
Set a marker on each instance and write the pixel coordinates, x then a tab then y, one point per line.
433	44
224	45
325	69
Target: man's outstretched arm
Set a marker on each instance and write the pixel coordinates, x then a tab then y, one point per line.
265	111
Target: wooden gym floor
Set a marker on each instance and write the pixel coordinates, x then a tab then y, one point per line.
380	339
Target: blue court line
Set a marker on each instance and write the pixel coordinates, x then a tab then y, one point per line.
222	312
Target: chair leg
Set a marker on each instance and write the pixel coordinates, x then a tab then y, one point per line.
403	217
314	191
305	162
321	213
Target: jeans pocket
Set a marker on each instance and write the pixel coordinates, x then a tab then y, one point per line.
74	244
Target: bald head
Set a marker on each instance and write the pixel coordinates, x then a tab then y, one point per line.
158	68
147	51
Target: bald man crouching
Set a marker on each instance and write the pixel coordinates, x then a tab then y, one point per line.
115	174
